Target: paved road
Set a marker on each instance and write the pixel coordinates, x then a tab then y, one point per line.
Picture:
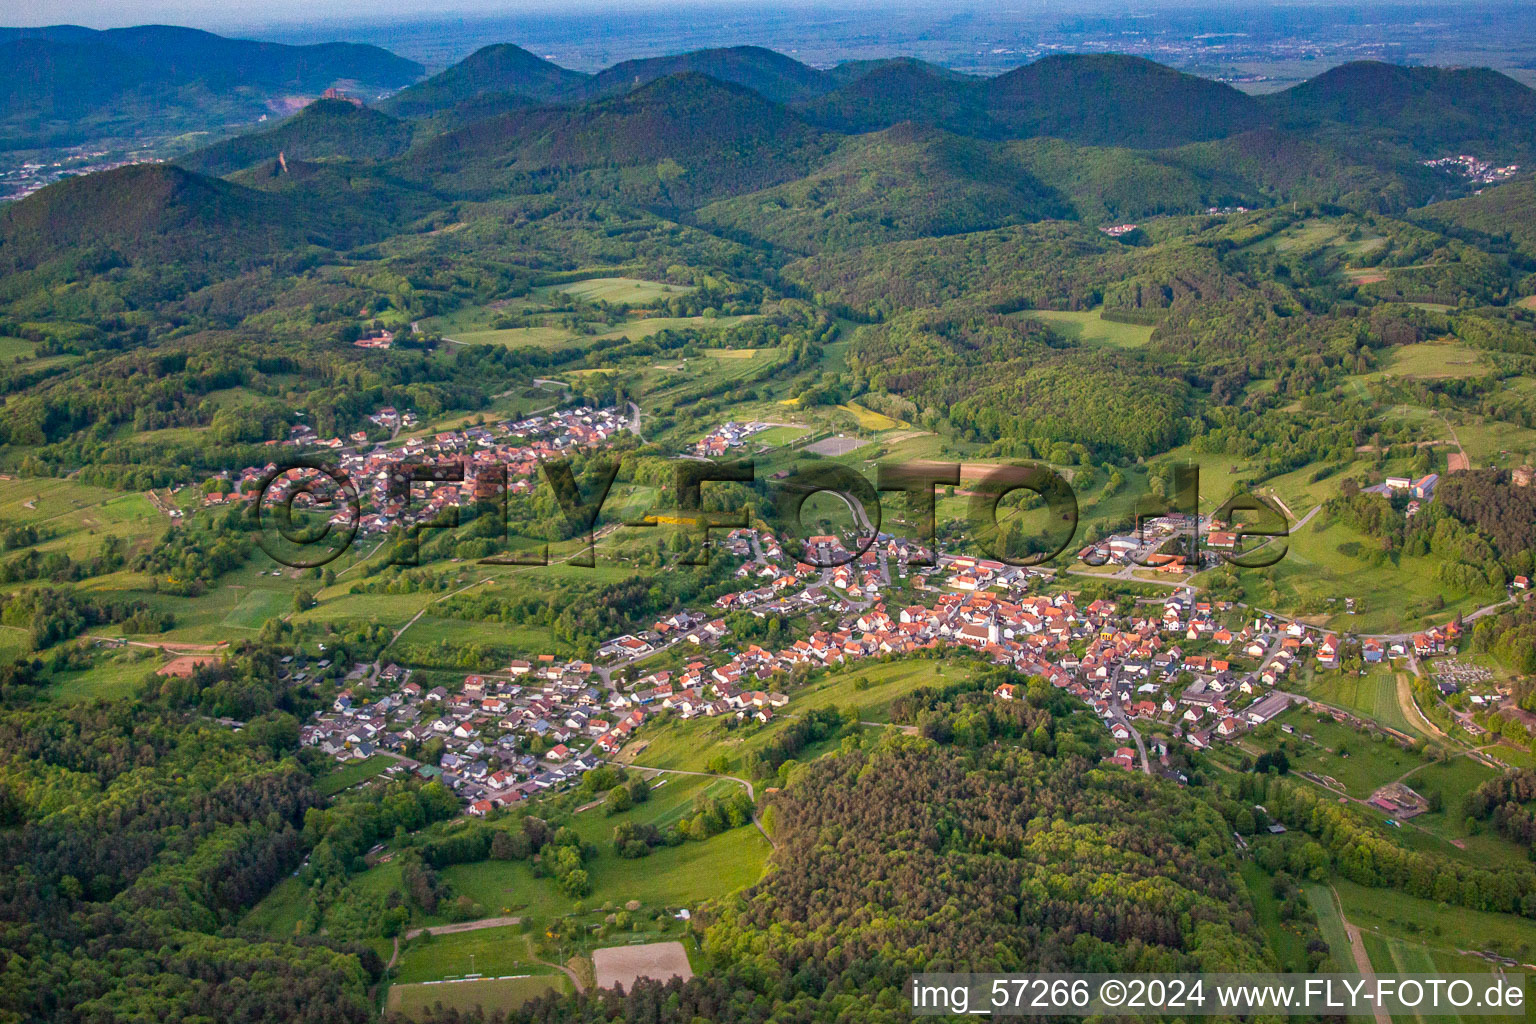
1141	748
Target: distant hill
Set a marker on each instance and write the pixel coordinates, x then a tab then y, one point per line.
152	213
770	74
502	68
325	128
1096	99
853	70
687	139
891	92
1115	100
1432	111
65	82
905	182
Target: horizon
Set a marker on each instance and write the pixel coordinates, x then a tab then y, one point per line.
589	35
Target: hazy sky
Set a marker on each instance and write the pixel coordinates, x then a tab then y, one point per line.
224	13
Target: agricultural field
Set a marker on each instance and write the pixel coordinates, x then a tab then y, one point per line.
112	674
868	690
677	876
257	607
556	337
1453	780
1373	694
1328	561
670	877
868	419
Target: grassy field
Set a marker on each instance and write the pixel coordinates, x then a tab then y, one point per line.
677	876
553	337
1373	695
1433	360
870	420
1331	924
350	774
281	910
111	678
1358	763
1327	562
503	994
518	337
621	289
1453	780
1286	944
1490	442
884	683
14	348
257	607
1089	328
1439	928
775	436
495	952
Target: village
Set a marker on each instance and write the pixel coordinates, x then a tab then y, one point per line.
498	458
1184	670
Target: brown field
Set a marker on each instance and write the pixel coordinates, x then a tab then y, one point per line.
622	965
187	664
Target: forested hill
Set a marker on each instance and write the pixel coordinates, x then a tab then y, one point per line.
502	68
1111	99
1097	99
66	83
779	78
973	155
1431	111
326	128
162	215
698	137
908	856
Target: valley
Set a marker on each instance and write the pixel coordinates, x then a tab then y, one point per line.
652	650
